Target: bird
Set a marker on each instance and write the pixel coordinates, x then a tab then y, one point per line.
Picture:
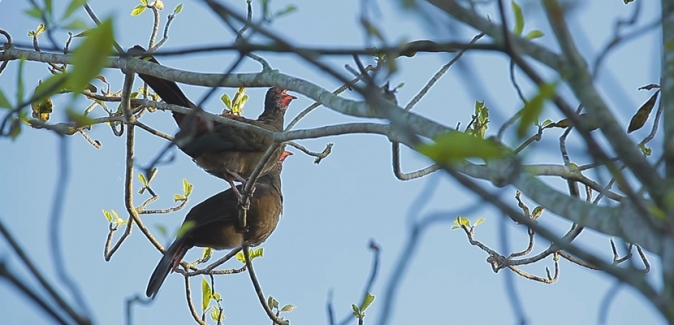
215	223
224	151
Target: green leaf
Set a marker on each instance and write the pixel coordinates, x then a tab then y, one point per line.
178	197
15	128
162	230
178	9
228	102
138	10
185	227
187	188
455	145
273	303
288	9
255	253
4	102
206	293
288	308
142	179
153	173
91	56
207	253
356	311
645	150
519	18
19	80
534	107
76	24
143	2
78	118
534	34
74	5
242	258
48	6
537	212
369	298
41	28
461	221
478	221
217	313
34	12
118	221
107	215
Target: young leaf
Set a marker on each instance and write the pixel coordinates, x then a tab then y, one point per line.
217	315
288	308
207	253
228	102
537	212
242	258
519	18
107	215
369	298
478	221
41	28
356	311
273	303
255	253
142	179
534	34
138	10
153	173
187	188
206	293
178	9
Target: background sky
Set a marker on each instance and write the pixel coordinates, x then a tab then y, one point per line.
332	210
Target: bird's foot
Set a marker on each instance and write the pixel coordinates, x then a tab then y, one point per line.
244	205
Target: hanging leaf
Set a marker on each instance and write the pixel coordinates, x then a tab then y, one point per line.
640	118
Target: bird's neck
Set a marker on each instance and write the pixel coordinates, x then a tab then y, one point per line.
272	117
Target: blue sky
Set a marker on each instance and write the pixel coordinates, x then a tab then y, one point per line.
332	210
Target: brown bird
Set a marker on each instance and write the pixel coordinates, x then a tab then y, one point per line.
224	151
215	223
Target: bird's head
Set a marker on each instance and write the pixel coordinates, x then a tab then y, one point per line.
277	98
284	155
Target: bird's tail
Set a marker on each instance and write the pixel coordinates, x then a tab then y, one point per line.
166	89
173	255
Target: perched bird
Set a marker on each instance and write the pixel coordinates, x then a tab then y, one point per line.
215	223
224	151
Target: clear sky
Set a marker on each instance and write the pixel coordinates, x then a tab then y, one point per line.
332	210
